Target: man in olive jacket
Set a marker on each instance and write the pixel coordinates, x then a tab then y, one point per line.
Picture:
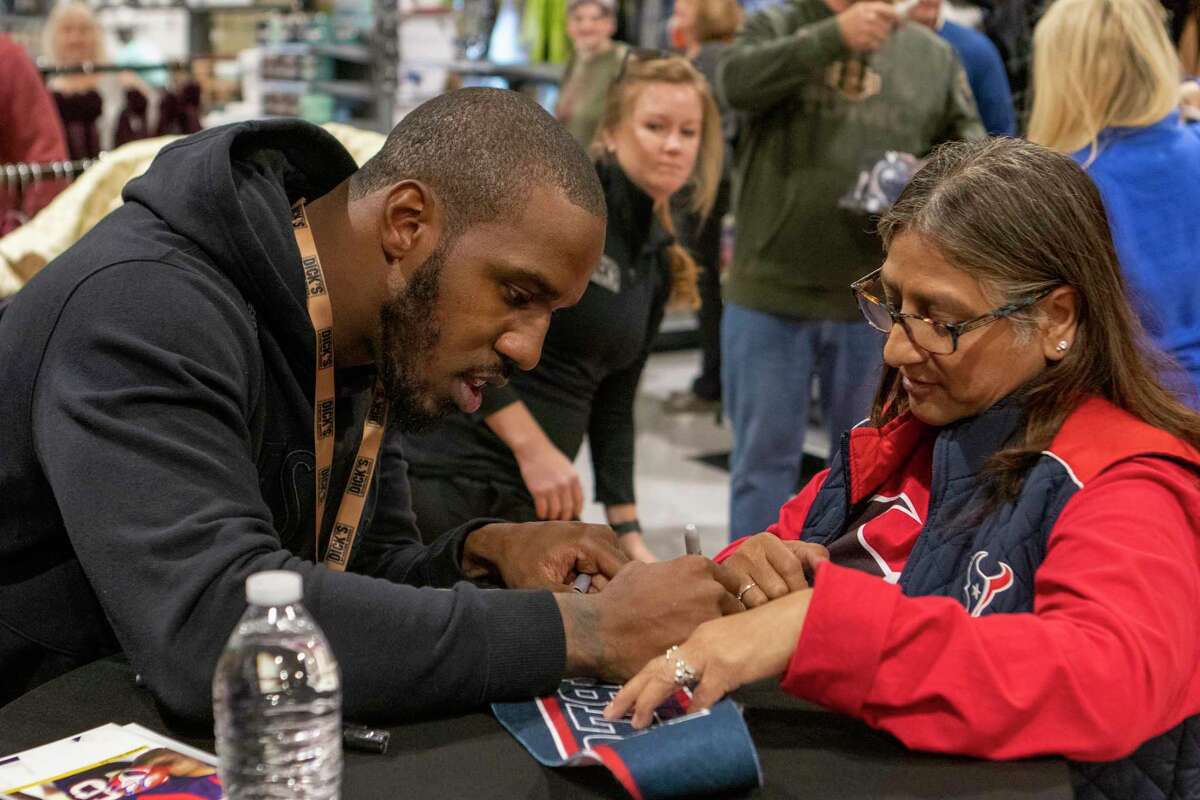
827	85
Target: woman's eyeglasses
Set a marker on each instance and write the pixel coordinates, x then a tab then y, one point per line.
938	338
640	54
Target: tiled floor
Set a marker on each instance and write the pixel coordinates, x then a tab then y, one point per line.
673	488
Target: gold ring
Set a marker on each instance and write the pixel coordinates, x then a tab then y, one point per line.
744	589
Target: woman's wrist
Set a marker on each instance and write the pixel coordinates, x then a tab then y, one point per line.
627	527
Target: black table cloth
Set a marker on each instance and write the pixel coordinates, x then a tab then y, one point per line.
805	752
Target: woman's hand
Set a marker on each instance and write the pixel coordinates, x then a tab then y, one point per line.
724	653
552	480
769	567
548	474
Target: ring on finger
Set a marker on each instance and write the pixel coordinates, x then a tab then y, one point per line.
744	589
683	673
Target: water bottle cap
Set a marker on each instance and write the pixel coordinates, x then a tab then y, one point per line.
274	588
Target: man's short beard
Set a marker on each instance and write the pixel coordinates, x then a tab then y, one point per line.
409	332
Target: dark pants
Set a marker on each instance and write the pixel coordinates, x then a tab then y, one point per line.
444	503
707	385
705	245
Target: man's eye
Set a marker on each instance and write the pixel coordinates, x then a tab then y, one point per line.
517	297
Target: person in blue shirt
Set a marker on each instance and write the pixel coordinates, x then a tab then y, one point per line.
983	65
1106	86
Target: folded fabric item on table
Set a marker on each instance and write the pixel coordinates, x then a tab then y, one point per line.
679	755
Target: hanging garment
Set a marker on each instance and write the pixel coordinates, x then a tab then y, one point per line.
132	124
79	114
544	29
189	97
652	23
627	22
179	110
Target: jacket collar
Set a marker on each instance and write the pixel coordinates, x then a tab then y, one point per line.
961	450
630	210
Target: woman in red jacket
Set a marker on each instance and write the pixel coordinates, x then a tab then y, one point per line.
1005	561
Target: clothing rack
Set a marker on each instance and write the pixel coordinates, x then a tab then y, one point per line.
19	182
91	69
22	174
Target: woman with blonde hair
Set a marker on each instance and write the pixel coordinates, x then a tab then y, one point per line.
513	459
1106	80
86	100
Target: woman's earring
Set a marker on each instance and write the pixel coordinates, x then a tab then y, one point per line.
1062	346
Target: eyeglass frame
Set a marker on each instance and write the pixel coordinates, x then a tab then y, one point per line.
640	54
956	329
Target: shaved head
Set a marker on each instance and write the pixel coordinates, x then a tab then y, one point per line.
482	151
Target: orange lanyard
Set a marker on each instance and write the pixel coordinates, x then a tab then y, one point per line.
354	500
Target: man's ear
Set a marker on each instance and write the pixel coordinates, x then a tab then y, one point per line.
410	225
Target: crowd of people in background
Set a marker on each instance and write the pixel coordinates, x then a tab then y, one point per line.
814	96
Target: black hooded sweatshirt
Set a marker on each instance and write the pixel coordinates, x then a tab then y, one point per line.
156	449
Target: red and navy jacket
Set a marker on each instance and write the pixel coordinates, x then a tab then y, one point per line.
1061	622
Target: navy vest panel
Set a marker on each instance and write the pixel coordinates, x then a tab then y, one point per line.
986	556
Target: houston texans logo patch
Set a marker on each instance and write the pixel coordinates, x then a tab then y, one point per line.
981	587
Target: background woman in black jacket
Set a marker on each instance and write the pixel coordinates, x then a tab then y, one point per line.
701	30
513	458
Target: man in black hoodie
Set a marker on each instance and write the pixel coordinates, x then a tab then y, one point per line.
158	407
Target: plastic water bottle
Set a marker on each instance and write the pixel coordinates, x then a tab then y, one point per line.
277	700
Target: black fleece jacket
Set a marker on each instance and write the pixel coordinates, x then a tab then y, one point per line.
156	448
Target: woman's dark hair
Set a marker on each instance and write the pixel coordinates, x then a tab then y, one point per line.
1020	219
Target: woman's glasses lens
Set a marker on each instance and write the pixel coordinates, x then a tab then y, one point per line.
876	315
929	337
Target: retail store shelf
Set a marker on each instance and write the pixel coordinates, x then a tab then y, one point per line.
250	8
518	73
355	90
354	53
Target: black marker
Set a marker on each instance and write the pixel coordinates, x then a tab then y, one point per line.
368	740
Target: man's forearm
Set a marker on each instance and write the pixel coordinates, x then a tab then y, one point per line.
762	69
581	627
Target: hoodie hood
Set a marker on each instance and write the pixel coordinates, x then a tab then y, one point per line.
218	187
